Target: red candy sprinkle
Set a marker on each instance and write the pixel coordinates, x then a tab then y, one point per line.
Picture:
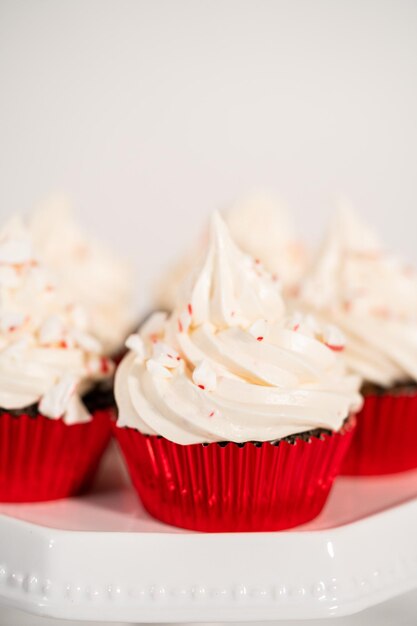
190	309
259	338
180	328
201	386
335	348
104	365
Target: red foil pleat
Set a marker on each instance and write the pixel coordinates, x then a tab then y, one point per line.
46	459
385	439
222	488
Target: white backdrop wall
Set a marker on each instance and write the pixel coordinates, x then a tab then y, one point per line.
149	114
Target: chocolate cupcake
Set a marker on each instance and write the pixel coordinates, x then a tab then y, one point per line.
232	415
372	297
54	417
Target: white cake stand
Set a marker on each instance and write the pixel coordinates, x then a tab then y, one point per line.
101	557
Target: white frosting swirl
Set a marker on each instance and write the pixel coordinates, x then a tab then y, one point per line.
88	271
371	296
261	228
228	365
46	353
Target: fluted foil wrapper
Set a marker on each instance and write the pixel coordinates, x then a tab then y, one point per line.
230	487
46	459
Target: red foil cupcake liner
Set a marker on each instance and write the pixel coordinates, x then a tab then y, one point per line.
46	459
230	487
385	439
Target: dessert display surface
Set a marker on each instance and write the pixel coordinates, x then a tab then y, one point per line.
101	556
235	413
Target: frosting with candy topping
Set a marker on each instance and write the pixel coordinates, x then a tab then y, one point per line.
229	365
88	271
47	357
369	294
262	228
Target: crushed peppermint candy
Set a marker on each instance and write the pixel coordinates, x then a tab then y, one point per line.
16	348
165	355
85	340
55	401
258	329
52	330
156	369
136	344
105	365
11	320
76	411
306	324
334	338
184	320
204	376
78	315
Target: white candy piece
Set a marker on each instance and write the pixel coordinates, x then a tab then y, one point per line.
305	324
135	343
156	369
11	320
79	316
98	365
295	321
258	329
76	412
55	402
311	323
166	355
204	376
184	320
51	330
334	337
86	341
16	348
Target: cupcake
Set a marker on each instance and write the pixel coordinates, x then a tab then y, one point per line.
90	273
262	228
232	415
372	297
54	421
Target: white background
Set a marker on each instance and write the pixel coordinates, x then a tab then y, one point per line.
149	114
